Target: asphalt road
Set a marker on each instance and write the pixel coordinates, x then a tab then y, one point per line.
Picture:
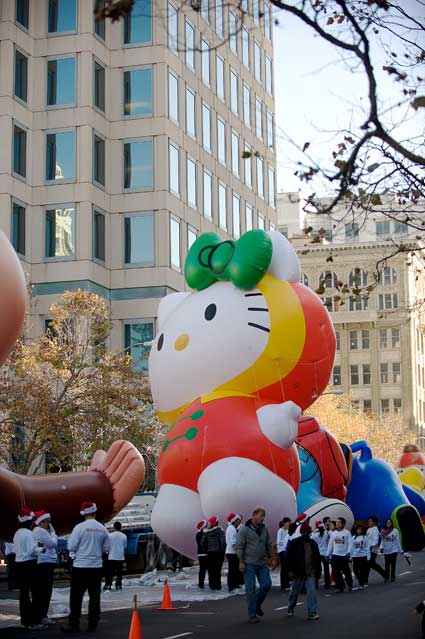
381	611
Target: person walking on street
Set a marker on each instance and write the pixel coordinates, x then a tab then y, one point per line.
339	552
214	543
281	544
255	553
88	541
116	557
360	554
202	555
26	552
374	543
321	537
304	564
47	540
234	575
390	546
10	556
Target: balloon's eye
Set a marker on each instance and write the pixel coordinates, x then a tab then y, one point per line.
210	312
160	342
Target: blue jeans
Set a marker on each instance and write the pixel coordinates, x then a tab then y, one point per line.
310	586
256	597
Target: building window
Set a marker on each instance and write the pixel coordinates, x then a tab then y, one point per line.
98	236
233	32
207	189
138	91
175	243
269	76
61	82
388	276
261	222
336	376
138	23
397	407
174	169
358	278
62	16
387	301
396	372
19	151
98	160
205	13
219	17
271	187
206	127
18	228
221	141
383	338
367	406
258	118
267	22
328	279
352	232
21	76
245	47
99	25
138	165
191	236
173	97
190	113
256	11
337	333
222	206
395	338
365	340
385	406
353	341
382	228
23	12
257	61
220	77
269	120
249	217
99	86
384	373
189	33
191	182
205	62
137	338
60	232
235	153
248	165
260	177
366	374
359	303
234	92
236	210
246	106
139	239
173	28
401	228
354	374
60	156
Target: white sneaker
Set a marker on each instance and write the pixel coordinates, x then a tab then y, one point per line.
48	622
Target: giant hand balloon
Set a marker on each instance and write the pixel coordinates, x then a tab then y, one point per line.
231	368
113	478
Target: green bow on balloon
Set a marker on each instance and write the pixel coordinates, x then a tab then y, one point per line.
243	262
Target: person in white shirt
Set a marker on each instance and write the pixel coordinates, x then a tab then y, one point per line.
235	578
26	552
116	557
46	540
281	545
88	542
339	551
360	554
374	543
390	546
9	556
321	536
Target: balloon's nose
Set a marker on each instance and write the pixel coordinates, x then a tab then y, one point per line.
181	342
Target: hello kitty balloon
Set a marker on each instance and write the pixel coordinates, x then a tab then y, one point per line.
232	367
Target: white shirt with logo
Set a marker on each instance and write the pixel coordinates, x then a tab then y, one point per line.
88	542
339	543
47	540
282	539
25	545
391	542
360	546
231	539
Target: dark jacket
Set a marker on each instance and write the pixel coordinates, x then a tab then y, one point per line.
295	557
254	544
201	548
213	540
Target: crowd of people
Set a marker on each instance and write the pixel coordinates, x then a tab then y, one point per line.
303	554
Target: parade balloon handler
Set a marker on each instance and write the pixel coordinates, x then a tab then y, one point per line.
201	553
46	538
235	578
360	554
27	551
281	546
321	536
214	543
116	557
339	552
390	547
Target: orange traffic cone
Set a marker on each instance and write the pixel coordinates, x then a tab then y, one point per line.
166	599
135	628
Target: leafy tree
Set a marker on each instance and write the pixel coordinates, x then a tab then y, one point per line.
64	394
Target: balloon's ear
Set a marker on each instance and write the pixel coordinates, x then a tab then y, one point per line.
13	296
168	304
285	265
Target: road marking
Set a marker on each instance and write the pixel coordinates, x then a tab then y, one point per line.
408	572
301	603
183	634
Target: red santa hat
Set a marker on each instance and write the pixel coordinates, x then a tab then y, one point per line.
201	524
25	514
233	517
301	518
40	515
319	524
213	521
88	508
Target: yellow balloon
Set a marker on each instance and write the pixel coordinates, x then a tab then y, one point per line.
413	478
